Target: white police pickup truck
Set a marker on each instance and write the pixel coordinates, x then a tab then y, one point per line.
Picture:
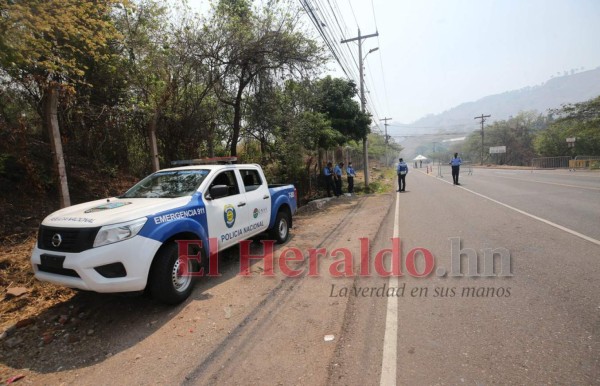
130	243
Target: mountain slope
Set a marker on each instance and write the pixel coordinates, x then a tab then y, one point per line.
573	88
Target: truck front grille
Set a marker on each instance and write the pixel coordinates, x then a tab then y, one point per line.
66	239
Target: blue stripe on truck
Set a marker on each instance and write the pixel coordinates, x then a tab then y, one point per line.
190	218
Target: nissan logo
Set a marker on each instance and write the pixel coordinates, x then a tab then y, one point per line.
56	240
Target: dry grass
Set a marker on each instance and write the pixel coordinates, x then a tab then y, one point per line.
16	271
22	209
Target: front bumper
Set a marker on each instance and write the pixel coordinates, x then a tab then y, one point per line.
78	269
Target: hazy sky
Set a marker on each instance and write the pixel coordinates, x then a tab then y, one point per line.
436	54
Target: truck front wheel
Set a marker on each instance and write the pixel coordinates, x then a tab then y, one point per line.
281	230
171	282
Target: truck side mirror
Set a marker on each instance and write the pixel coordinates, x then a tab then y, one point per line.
218	191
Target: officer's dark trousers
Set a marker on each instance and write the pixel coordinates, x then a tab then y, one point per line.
338	186
329	185
455	170
350	184
401	182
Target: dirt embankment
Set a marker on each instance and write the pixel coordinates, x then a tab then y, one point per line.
23	205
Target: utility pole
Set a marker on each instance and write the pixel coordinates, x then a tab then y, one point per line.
482	117
385	124
360	38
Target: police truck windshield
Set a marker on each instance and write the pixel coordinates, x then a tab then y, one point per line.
168	184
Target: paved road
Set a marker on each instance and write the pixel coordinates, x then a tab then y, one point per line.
570	199
539	326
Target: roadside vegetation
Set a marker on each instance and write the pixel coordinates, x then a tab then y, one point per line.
95	95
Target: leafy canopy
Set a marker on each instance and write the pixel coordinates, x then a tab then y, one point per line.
47	38
579	120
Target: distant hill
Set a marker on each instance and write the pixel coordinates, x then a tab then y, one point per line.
560	90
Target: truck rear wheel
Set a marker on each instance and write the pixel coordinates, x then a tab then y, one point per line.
281	230
171	282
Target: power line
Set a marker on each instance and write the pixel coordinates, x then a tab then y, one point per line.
329	35
344	30
371	80
325	19
353	14
385	93
316	22
374	18
334	38
329	14
335	17
320	25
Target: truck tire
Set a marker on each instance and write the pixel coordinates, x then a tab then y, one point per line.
167	285
281	230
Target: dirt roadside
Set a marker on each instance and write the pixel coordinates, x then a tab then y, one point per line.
57	335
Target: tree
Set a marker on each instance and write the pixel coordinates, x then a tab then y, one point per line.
378	146
43	42
516	133
579	120
334	98
249	43
147	43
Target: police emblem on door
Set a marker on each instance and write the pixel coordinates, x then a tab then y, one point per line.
229	215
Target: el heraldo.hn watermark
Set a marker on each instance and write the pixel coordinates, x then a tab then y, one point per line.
340	262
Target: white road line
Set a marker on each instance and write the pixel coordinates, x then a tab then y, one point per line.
552	224
390	339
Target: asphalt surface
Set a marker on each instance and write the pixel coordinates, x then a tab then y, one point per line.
570	199
538	326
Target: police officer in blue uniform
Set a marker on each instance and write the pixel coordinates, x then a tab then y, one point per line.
328	173
351	174
337	176
455	163
402	171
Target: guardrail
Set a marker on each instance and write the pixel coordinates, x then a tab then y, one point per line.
550	162
587	158
584	162
565	162
465	167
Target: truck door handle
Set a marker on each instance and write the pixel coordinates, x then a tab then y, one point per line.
241	204
266	197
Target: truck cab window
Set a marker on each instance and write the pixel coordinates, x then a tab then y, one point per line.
227	178
251	179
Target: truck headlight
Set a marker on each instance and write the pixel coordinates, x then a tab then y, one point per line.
109	234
